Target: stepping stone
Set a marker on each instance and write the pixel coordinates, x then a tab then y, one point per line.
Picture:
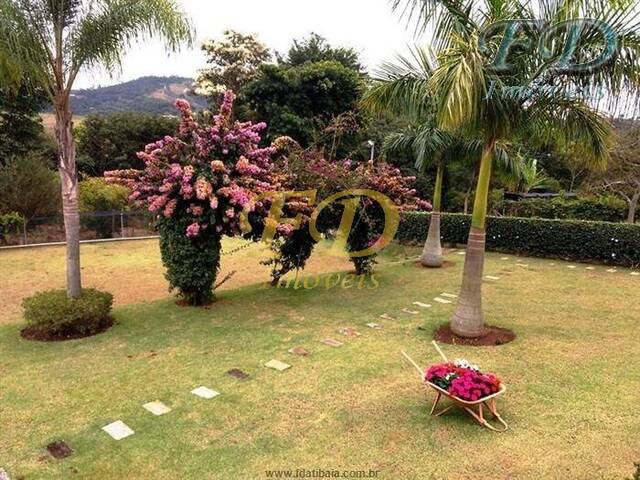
572	267
491	277
157	408
204	392
299	351
423	305
635	274
385	316
118	430
238	374
375	326
349	332
4	475
591	268
612	270
525	265
442	300
409	311
59	450
332	343
462	253
277	365
448	295
504	258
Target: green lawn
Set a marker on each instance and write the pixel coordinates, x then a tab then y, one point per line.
572	402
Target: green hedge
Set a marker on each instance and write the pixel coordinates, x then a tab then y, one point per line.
600	209
612	243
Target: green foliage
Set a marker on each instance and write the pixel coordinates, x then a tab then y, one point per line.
111	142
54	314
192	263
301	101
612	243
603	209
96	195
29	187
315	48
10	223
20	126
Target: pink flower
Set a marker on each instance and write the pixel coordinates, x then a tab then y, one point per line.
193	230
203	189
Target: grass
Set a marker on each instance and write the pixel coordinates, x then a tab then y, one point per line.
572	375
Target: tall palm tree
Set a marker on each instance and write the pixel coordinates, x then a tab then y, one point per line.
530	102
49	42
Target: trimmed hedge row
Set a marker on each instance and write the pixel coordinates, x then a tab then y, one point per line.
600	209
611	243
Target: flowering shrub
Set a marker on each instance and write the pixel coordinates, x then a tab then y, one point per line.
463	380
198	183
306	170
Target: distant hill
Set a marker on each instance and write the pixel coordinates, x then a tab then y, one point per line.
146	94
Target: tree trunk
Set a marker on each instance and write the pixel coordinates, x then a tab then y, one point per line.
432	252
468	320
69	186
633	206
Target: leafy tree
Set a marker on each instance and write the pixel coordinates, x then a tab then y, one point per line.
301	101
97	196
529	102
29	187
233	62
111	142
20	125
315	48
49	42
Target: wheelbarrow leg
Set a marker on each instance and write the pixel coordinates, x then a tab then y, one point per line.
435	403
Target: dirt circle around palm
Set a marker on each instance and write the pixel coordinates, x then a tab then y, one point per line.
35	335
445	264
493	337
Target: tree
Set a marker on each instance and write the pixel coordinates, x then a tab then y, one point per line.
111	142
623	174
21	129
234	61
301	101
49	42
29	187
316	49
531	101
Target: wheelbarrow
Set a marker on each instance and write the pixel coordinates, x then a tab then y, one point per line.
476	408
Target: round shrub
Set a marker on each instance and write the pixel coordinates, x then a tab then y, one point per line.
52	315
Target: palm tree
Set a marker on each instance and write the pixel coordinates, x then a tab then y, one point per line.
531	102
49	42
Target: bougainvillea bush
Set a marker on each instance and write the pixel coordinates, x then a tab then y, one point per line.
199	182
310	170
463	380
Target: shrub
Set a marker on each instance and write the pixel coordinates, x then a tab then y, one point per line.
52	314
10	223
96	195
603	209
613	243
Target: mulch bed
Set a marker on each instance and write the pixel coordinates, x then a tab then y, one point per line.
445	264
59	450
493	336
35	335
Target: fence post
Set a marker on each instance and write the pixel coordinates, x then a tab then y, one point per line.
121	225
24	231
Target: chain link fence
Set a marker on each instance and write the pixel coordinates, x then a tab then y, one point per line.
93	226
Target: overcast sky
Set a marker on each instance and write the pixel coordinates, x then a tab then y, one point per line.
367	25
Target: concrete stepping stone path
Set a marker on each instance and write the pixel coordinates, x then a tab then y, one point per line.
635	274
409	311
442	300
299	351
118	430
375	326
206	393
612	270
157	408
332	343
277	365
448	295
386	316
491	277
349	332
422	305
572	267
591	268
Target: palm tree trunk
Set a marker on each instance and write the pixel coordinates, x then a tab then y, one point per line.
468	320
69	186
432	253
